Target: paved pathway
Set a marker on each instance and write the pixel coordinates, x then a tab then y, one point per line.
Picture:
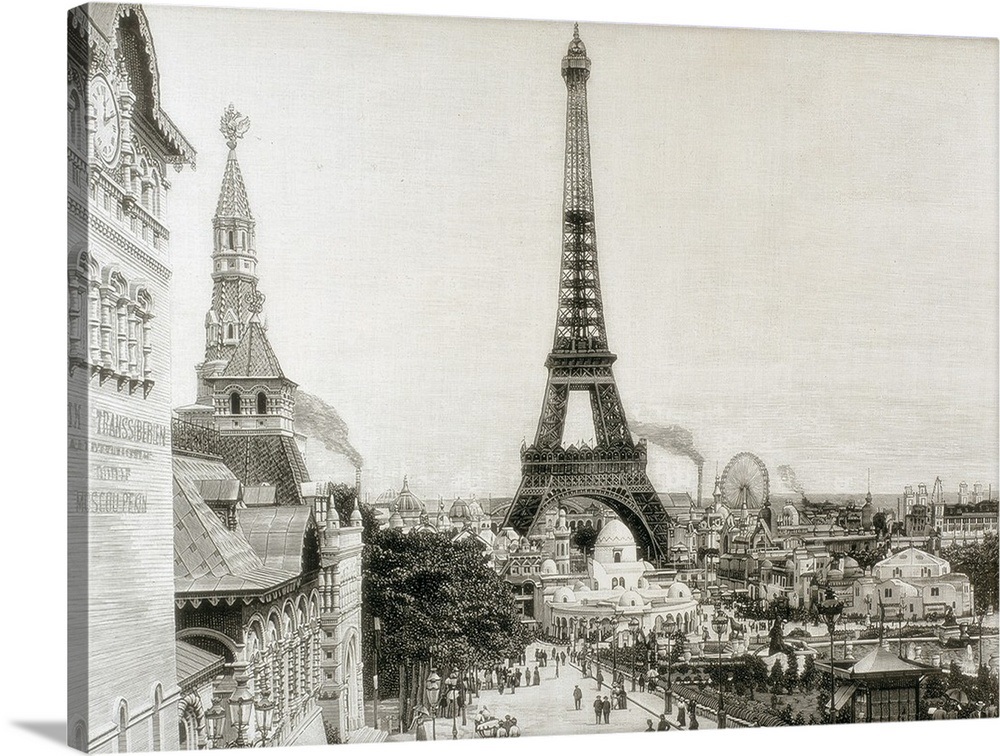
548	709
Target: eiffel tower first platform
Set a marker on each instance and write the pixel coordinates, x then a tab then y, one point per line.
613	471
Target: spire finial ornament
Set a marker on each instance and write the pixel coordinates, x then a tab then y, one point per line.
576	31
233	125
255	301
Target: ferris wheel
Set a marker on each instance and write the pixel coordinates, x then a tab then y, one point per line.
745	483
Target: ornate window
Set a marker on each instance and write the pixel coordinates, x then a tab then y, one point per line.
157	706
261	403
123	727
235	407
80	737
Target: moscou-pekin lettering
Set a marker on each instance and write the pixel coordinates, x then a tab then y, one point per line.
126	428
103	502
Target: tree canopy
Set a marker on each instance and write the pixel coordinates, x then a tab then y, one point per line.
584	538
980	562
438	597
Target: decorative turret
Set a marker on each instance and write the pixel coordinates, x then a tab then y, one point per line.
937	504
234	262
356	521
868	510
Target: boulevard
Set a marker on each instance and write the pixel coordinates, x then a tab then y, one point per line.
548	709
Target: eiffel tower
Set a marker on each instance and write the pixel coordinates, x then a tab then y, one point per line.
613	470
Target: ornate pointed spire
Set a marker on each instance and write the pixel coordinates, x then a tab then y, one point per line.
233	202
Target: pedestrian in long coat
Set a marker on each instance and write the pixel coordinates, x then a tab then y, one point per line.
598	709
663	725
577	696
681	714
535	679
600	679
606	708
642	682
693	725
562	657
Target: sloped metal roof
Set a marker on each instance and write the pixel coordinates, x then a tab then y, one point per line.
254	357
233	201
194	662
277	534
209	559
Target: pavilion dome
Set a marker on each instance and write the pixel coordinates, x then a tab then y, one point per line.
406	502
549	567
836	574
460	510
579	585
476	509
563	595
631	598
615	534
767	564
678	591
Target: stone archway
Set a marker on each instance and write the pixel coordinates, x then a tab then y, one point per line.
351	695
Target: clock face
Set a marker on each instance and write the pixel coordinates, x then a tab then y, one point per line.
107	126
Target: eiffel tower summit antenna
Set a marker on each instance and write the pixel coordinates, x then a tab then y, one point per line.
613	471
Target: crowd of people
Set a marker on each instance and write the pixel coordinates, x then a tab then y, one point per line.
516	673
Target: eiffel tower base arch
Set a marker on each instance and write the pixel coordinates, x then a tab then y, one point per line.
617	479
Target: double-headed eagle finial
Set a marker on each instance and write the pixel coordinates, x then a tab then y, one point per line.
233	125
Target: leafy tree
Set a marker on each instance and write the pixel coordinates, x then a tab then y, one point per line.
879	523
758	672
980	562
584	538
792	673
777	678
935	686
438	601
343	501
808	680
678	645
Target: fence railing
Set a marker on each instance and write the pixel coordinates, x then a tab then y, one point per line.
195	438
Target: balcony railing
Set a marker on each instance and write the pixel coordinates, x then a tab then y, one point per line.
194	438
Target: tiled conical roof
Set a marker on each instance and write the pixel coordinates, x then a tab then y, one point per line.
254	357
233	202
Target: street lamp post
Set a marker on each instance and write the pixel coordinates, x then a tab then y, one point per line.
215	717
614	650
432	686
633	625
377	632
719	623
669	627
830	609
264	711
240	710
453	701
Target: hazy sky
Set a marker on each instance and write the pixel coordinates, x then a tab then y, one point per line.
797	235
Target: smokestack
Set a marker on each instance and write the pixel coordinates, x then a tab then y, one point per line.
701	465
357	483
